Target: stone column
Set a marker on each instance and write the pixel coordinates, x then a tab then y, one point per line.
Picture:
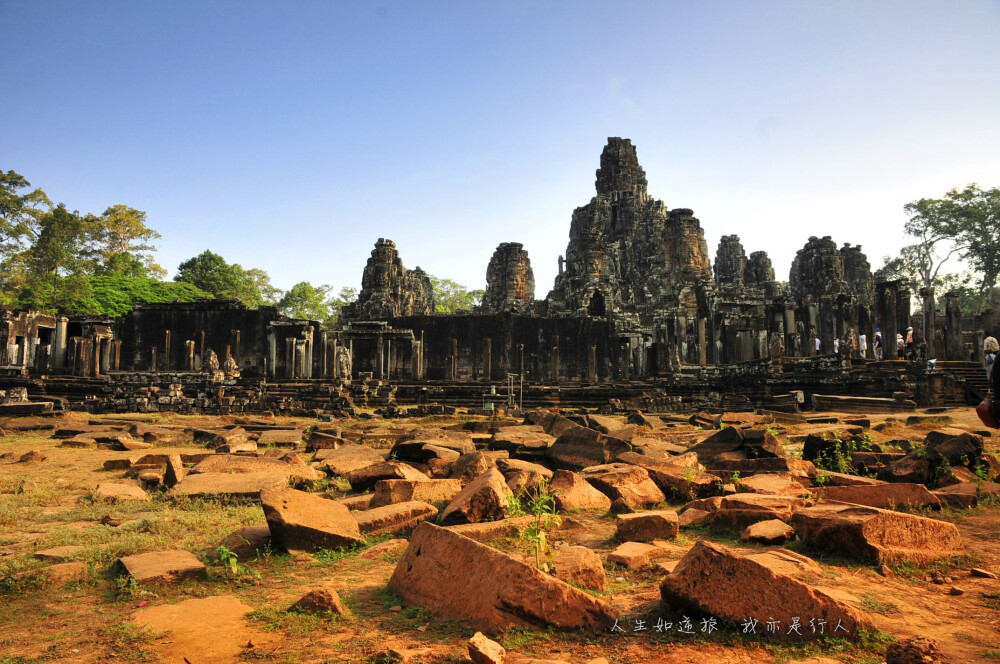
520	359
105	355
554	358
453	358
927	295
166	349
702	339
827	323
153	359
903	307
592	364
59	351
189	352
886	300
487	359
272	355
379	357
116	361
625	362
953	327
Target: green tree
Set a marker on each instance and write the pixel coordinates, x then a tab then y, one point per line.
451	296
211	273
20	212
121	243
266	292
975	214
306	301
58	248
344	297
933	227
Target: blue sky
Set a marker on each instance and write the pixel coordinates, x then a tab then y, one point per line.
290	136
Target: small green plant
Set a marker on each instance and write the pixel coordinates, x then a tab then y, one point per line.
823	479
536	500
231	563
735	478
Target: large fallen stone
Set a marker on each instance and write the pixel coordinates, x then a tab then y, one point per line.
769	484
435	492
412	446
630	484
888	496
573	492
876	534
646	526
393	518
456	578
744	509
280	438
674	479
487	498
343	460
768	532
306	522
484	651
747	467
472	466
230	463
966	494
580	566
323	599
110	492
491	530
248	542
718	582
961	450
162	567
635	555
362	479
520	473
580	447
724	441
530	441
240	485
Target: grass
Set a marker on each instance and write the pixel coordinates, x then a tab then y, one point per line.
292	623
872	603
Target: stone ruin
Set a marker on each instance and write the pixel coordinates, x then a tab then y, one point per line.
637	308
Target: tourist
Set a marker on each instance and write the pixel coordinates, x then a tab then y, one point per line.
836	345
863	345
878	345
910	348
990	350
900	345
819	345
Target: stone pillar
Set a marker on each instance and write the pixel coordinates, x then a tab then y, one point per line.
333	369
201	347
116	361
903	306
189	353
554	358
105	355
453	358
487	359
791	347
827	323
420	375
388	359
953	327
520	359
702	342
237	345
927	295
886	301
166	349
307	359
153	358
59	351
625	361
591	364
290	357
379	357
272	355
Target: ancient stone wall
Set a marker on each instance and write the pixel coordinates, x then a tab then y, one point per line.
510	282
818	269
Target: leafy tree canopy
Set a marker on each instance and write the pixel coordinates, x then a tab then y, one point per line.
306	301
211	273
451	296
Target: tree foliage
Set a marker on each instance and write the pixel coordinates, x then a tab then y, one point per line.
451	296
305	301
964	222
211	273
121	243
20	212
344	297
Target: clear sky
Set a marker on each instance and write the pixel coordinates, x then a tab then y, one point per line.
290	136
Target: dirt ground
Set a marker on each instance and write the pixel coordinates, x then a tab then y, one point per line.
239	616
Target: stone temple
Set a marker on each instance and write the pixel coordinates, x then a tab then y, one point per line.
639	310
